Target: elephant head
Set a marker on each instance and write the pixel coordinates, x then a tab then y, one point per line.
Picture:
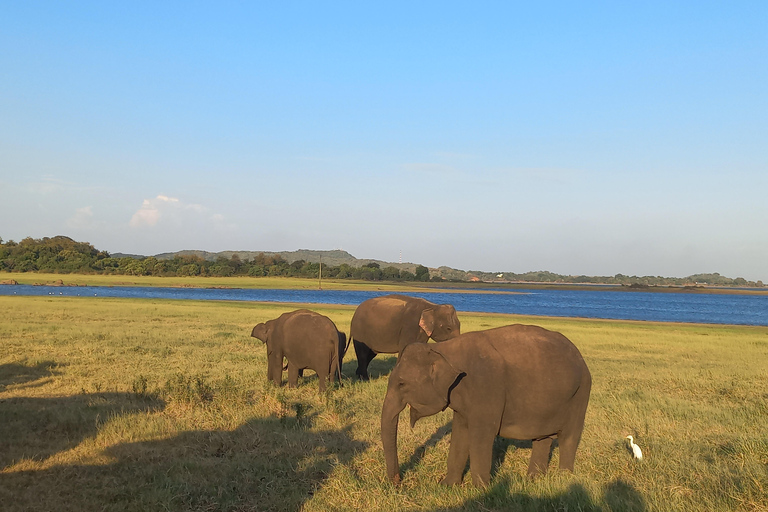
263	331
441	322
422	378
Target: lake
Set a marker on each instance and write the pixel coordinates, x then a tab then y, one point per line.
660	307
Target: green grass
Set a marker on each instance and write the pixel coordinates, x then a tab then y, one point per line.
115	404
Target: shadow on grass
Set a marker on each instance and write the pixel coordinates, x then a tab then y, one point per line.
381	366
265	464
37	428
618	496
500	448
419	453
15	374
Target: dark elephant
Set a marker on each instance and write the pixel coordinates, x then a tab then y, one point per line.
387	324
308	340
519	381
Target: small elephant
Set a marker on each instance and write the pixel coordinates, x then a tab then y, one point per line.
387	324
308	340
519	381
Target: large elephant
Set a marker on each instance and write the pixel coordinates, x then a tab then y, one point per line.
519	381
308	340
387	324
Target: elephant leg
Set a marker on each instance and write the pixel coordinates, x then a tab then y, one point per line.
293	375
568	442
568	439
301	372
364	357
458	452
322	377
481	453
539	457
275	369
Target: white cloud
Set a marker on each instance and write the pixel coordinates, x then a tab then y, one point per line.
147	215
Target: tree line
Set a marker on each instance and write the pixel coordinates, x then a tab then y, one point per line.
62	255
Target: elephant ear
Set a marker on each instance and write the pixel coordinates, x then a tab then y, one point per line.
427	321
262	331
444	375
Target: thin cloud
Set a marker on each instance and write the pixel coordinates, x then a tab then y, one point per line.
453	155
165	209
82	219
431	168
540	173
49	184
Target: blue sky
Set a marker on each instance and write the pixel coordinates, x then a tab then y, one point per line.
577	137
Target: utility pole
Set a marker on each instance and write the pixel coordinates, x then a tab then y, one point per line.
320	283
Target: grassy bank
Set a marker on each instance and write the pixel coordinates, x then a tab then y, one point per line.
113	404
294	283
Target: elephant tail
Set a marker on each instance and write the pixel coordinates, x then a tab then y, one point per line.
338	355
335	369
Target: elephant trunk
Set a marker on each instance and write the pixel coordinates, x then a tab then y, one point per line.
390	415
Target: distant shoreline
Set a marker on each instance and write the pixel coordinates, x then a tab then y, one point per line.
31	278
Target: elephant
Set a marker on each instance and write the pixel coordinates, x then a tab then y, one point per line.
307	340
519	381
387	324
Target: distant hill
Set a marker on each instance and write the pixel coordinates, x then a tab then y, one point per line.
125	255
338	257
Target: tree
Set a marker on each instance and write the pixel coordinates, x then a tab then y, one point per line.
390	273
422	273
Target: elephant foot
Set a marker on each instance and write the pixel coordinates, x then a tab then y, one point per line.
362	376
450	481
479	482
534	473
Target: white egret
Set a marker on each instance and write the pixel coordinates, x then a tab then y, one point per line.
636	451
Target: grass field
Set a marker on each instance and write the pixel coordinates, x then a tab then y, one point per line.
115	404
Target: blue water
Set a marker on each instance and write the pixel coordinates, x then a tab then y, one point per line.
661	307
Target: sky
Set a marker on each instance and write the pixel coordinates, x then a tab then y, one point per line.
587	138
